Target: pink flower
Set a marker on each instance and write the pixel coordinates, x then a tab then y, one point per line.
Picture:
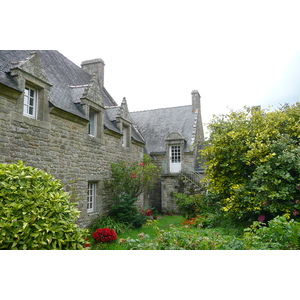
295	212
141	164
133	176
261	218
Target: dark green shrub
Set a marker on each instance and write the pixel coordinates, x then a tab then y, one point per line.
188	205
109	222
35	212
280	234
126	211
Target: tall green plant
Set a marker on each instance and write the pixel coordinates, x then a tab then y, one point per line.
131	179
253	162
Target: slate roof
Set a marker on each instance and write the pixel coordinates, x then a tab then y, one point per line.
68	81
155	125
61	73
112	112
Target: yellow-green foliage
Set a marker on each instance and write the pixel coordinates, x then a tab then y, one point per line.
35	213
253	161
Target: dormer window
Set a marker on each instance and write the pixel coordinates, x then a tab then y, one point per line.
126	136
30	102
92	123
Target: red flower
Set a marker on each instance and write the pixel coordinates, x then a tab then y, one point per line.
295	212
133	176
147	212
104	235
261	218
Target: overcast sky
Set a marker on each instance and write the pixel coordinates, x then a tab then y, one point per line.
234	53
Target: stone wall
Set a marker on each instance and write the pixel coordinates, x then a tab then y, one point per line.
169	186
161	196
62	147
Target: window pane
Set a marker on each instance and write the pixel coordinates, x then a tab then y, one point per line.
25	109
92	123
175	154
30	102
26	100
91	194
32	93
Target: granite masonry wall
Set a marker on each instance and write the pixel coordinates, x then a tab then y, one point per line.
62	147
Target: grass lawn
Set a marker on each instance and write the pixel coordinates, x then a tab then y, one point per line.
164	223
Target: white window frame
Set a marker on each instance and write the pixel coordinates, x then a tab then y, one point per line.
175	158
92	123
91	196
175	153
30	102
125	137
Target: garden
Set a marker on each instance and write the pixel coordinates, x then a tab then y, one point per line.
252	191
251	198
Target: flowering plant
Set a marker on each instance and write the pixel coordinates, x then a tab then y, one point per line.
148	212
87	245
131	179
104	235
261	218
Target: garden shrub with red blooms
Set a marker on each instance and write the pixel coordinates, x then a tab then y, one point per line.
104	235
148	212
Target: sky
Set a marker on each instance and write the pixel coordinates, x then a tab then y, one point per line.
235	53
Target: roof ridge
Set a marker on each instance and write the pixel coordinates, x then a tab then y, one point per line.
160	108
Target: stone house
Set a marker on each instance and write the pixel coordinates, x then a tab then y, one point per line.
59	117
173	137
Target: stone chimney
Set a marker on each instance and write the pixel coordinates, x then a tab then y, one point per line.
94	66
196	100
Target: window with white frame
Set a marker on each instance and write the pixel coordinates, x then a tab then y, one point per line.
30	102
92	123
175	154
175	159
91	196
125	138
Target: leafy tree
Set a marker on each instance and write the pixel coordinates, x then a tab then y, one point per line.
35	212
127	182
131	179
253	162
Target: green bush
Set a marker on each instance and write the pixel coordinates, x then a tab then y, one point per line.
280	234
176	238
253	162
200	209
131	178
109	222
35	213
125	211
